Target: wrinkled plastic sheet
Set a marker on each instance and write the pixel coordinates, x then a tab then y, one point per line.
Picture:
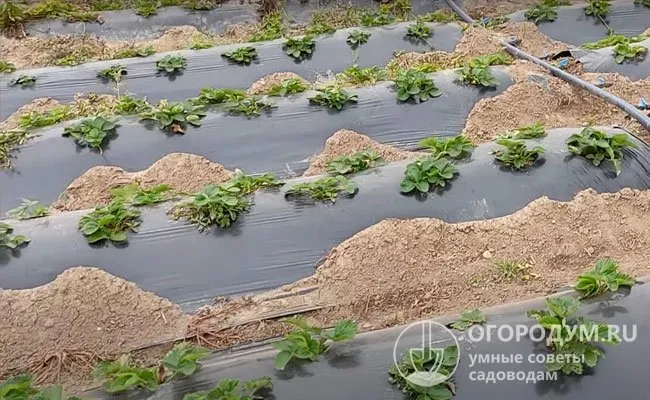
602	60
280	240
206	68
572	26
358	369
127	25
279	142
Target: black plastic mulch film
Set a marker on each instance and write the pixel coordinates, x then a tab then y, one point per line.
358	370
277	142
280	240
206	68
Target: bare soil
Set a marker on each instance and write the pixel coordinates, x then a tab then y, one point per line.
346	143
59	330
185	173
264	84
491	8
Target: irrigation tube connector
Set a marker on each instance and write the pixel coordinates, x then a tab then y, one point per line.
631	110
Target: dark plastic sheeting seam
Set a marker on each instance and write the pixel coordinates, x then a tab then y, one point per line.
127	25
358	369
206	68
280	241
270	143
602	60
572	26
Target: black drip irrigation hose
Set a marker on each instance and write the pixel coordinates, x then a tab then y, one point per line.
628	108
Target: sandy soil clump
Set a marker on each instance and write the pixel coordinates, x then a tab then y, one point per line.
37	52
182	172
346	143
264	84
84	315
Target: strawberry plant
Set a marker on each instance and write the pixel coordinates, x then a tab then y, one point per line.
515	153
370	19
28	209
299	48
357	38
467	319
415	85
613	40
324	189
232	389
9	141
288	87
598	8
242	55
477	72
572	336
110	222
356	162
418	31
532	131
133	194
333	97
457	147
425	374
200	5
247	184
113	73
127	105
35	119
596	146
362	76
271	28
92	132
319	25
198	43
145	51
627	52
250	106
6	67
219	96
306	342
175	116
11	14
20	388
498	58
10	241
182	359
24	81
171	64
441	16
541	12
603	277
121	375
214	205
422	174
145	8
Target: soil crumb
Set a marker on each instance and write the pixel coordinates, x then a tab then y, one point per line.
346	143
540	97
370	276
264	84
58	331
182	172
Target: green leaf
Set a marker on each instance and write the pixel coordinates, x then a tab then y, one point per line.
282	359
344	330
426	379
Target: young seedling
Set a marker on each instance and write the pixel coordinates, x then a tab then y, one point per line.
596	146
598	8
171	64
113	73
175	116
572	337
110	222
357	38
515	154
613	40
210	96
428	172
509	270
9	141
415	85
627	52
35	119
6	67
469	318
457	147
532	131
425	374
10	241
370	19
319	25
299	48
359	161
247	184
182	360
333	97
92	132
306	342
145	8
288	87
198	43
324	189
121	375
134	195
135	52
127	105
232	389
440	16
498	58
603	277
250	106
214	205
271	28
541	13
242	55
477	72
418	31
28	209
358	76
24	81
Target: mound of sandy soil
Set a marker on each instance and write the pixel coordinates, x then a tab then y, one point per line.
59	330
264	84
182	172
491	8
346	143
